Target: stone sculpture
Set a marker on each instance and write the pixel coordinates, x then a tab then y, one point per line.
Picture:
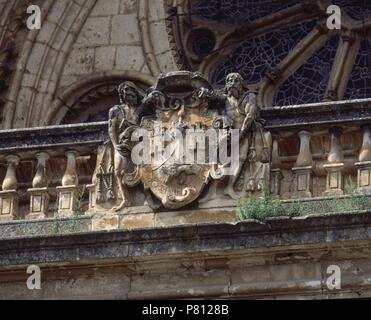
169	118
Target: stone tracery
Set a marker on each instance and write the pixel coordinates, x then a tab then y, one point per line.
309	83
256	24
237	11
255	57
359	85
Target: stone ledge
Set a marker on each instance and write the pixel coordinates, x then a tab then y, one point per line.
53	137
320	114
48	226
211	238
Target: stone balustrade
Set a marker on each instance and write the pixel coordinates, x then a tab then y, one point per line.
40	169
316	150
320	149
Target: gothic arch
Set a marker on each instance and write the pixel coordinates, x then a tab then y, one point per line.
45	53
42	59
98	87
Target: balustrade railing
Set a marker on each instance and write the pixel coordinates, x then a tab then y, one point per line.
317	150
43	168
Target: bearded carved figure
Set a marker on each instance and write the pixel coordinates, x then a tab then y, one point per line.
254	142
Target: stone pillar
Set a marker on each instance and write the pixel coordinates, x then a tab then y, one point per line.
364	164
276	172
68	193
303	168
39	202
335	165
9	194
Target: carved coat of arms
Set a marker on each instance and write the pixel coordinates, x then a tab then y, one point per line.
168	140
174	175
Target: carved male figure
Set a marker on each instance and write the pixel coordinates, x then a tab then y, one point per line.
254	150
255	142
121	118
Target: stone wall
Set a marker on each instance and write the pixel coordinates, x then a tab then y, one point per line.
98	39
278	259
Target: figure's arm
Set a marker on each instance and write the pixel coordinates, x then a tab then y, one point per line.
112	127
215	99
250	110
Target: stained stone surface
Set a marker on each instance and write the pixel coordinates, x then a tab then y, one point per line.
282	258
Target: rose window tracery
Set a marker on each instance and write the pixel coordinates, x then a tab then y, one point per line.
283	48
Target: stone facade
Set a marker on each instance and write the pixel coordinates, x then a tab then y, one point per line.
283	260
73	201
106	41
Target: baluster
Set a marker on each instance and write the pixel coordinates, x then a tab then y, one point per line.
39	201
364	164
9	194
276	172
95	188
335	165
303	169
68	193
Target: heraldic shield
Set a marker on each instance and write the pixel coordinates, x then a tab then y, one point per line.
183	113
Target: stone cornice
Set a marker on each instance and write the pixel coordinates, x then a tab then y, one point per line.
332	230
53	137
353	112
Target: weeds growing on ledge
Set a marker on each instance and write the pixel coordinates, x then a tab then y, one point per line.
266	206
354	201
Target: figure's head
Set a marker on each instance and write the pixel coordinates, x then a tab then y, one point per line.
234	85
129	93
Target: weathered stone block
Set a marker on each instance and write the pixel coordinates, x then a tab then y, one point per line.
39	203
8	205
303	181
106	8
105	221
125	29
104	58
67	200
95	32
363	175
129	58
137	221
80	61
334	179
194	217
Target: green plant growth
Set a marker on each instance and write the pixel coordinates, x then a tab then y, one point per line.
353	201
30	229
78	210
56	226
266	206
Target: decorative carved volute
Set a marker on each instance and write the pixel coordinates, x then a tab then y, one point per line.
10	182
